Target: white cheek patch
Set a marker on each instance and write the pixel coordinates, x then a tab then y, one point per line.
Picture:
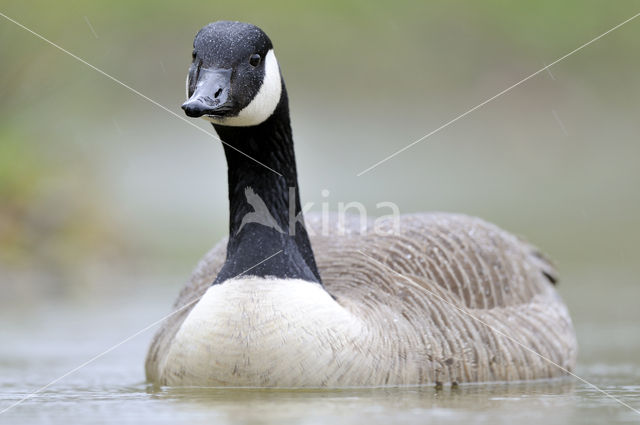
264	102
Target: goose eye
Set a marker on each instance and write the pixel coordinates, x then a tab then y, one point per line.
193	54
254	60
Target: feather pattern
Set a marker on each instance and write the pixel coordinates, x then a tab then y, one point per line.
405	291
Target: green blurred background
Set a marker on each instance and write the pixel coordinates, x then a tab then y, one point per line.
105	196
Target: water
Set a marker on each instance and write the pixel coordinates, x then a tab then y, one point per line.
47	342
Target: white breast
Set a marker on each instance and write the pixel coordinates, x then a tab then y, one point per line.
265	332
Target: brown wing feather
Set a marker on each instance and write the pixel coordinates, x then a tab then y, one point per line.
480	263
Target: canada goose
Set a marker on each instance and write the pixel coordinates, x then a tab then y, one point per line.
428	303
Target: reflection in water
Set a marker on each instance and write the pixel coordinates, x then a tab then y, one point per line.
390	397
363	405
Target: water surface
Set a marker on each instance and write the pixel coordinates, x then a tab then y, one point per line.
45	344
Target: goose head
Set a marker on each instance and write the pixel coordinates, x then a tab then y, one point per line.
234	78
234	81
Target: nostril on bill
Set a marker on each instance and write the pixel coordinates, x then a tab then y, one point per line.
218	93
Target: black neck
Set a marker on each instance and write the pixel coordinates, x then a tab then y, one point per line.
254	155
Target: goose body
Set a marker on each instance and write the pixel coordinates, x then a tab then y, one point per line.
324	302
